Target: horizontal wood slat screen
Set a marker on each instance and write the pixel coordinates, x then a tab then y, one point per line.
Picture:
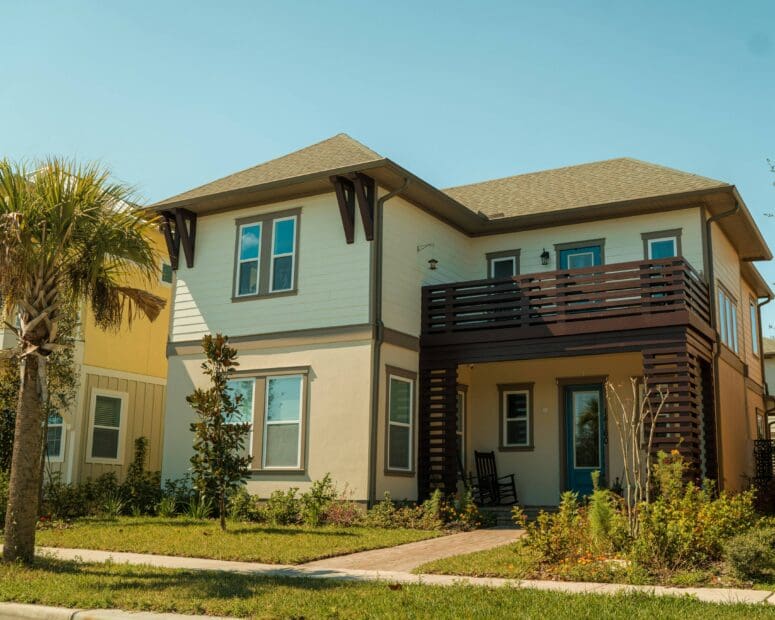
619	291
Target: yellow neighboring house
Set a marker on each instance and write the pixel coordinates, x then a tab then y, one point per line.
121	394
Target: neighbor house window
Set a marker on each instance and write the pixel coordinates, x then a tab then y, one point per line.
267	255
516	416
283	254
400	421
282	422
107	418
165	273
460	427
503	264
248	257
55	437
727	319
754	313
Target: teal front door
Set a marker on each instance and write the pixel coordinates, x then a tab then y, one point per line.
584	436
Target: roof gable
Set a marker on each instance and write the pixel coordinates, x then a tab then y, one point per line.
340	151
597	183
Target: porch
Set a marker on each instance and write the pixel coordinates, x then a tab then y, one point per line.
549	330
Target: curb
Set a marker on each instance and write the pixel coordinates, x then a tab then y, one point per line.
42	612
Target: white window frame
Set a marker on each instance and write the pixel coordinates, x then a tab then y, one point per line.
506	419
672	238
61	456
292	254
161	273
727	318
124	398
267	423
503	259
252	381
240	260
409	425
753	310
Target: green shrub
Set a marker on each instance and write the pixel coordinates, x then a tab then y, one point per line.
166	507
751	555
141	490
112	507
283	507
607	522
200	507
344	513
180	491
560	536
382	514
315	502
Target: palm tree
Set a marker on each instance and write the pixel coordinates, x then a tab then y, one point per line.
67	235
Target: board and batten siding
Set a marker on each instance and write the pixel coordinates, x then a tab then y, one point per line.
333	277
144	418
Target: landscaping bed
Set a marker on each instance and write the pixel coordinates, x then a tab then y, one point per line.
71	584
183	536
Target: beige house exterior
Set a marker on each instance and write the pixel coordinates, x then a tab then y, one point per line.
325	268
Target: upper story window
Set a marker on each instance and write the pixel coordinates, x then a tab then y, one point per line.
754	313
267	255
727	319
661	244
579	254
503	264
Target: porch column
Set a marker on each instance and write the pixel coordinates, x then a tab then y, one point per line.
437	458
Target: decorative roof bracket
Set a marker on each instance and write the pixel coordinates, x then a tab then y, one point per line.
179	228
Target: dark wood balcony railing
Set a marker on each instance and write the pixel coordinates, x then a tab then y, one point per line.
625	291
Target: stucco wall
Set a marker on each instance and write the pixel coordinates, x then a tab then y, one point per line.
337	413
333	277
734	427
539	472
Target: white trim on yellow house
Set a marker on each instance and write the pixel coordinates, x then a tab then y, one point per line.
120	374
124	397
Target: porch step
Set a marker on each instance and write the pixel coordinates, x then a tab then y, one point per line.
502	514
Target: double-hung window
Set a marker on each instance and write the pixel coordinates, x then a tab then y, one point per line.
267	255
282	424
55	437
248	259
516	416
727	319
400	421
242	392
107	417
753	311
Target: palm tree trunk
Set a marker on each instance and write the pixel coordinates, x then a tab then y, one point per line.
24	490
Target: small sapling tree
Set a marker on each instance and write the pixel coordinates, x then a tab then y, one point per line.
220	463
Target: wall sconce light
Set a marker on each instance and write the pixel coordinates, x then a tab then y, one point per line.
432	264
545	257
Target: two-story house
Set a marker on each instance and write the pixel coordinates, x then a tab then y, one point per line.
120	391
387	329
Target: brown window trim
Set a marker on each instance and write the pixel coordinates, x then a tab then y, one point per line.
503	389
755	337
410	376
673	233
259	417
572	245
733	298
265	256
493	256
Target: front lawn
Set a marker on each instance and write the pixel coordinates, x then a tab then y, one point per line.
108	585
249	542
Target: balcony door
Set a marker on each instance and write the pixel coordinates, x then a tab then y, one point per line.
584	436
579	257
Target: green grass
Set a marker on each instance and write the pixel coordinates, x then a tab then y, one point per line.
496	562
204	539
69	584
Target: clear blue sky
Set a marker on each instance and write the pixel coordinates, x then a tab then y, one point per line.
173	94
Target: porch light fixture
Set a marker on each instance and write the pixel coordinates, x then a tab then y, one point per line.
545	257
432	264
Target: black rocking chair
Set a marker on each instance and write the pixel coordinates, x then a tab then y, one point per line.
494	490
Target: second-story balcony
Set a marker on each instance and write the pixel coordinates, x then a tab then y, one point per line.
604	298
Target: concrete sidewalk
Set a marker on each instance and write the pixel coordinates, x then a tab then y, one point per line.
42	612
709	595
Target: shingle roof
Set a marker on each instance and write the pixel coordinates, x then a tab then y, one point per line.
340	151
597	183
